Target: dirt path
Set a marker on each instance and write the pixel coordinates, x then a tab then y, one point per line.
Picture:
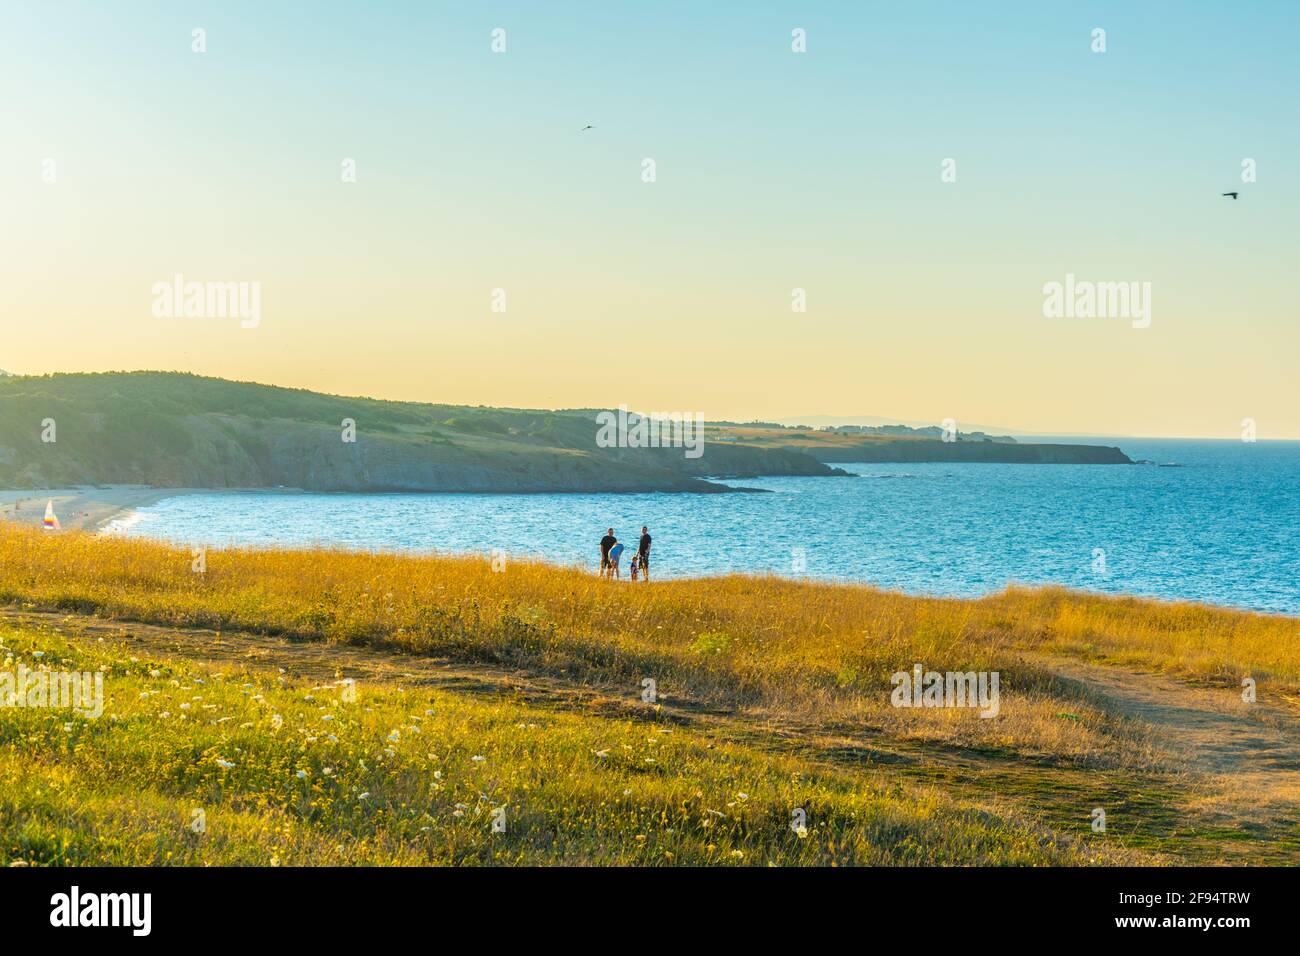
1242	760
318	661
1252	750
1214	731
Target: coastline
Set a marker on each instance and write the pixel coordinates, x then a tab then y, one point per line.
94	507
84	508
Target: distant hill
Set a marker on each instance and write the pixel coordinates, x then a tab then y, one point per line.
934	432
175	430
831	421
178	430
898	443
987	452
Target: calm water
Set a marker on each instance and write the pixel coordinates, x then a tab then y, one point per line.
1224	527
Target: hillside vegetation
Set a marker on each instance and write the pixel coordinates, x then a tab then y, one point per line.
173	430
179	430
901	444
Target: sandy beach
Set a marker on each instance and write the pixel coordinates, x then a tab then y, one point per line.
87	508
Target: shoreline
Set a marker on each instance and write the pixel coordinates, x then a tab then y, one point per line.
93	508
85	507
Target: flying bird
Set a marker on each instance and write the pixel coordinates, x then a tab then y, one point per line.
1233	195
585	128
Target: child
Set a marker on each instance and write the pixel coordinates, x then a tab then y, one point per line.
634	566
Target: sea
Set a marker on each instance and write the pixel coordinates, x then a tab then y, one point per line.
1210	521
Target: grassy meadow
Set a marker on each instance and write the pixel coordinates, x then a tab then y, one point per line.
773	696
287	773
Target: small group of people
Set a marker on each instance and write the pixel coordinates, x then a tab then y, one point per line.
611	551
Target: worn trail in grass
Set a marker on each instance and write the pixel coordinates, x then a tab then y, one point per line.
217	759
1247	754
1233	802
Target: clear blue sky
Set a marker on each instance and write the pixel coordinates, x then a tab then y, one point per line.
775	171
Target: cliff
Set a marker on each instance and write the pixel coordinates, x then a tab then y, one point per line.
971	451
176	430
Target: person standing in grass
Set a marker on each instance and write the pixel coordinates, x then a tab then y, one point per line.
643	553
606	543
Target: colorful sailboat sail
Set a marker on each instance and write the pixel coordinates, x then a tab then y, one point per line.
51	519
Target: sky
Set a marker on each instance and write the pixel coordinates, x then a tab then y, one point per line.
127	158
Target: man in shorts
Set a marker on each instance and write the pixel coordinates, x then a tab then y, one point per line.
606	543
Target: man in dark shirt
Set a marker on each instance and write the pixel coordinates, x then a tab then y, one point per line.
643	553
606	543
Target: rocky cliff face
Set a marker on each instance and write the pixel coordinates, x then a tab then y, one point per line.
318	461
176	430
236	452
992	452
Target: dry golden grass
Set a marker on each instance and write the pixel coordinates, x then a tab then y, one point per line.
794	675
791	652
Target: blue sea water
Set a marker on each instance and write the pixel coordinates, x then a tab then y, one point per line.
1222	527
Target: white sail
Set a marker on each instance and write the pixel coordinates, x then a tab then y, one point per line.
51	519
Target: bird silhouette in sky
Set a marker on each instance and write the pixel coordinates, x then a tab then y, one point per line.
585	128
1233	195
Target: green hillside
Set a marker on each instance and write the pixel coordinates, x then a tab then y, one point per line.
178	430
